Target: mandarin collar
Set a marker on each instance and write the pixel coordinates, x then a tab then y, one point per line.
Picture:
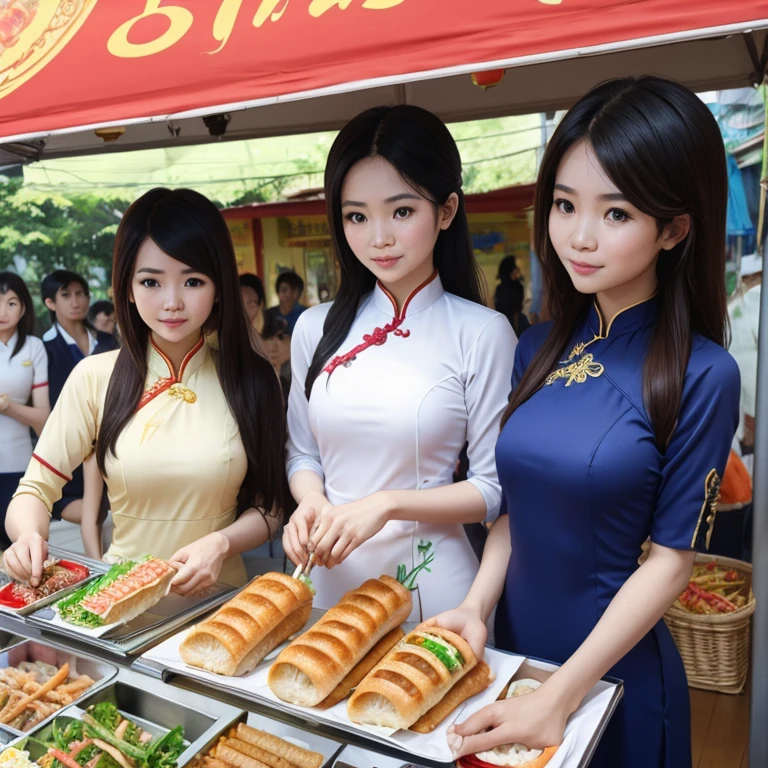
11	342
161	367
629	319
420	298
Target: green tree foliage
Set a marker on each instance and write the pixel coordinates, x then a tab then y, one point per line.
43	232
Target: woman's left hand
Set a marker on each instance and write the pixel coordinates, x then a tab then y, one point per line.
5	403
339	531
536	720
199	564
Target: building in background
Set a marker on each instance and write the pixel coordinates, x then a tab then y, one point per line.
271	238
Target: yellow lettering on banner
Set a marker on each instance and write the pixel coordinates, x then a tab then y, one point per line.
225	20
181	20
267	11
381	5
319	7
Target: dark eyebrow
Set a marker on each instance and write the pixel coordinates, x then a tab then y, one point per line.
402	196
393	199
153	271
609	197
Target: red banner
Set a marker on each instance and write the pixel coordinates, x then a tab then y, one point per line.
67	63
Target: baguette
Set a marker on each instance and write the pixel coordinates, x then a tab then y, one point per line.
313	665
470	685
130	595
302	758
415	675
355	677
244	630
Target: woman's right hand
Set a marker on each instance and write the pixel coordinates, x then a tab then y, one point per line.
298	530
465	621
23	560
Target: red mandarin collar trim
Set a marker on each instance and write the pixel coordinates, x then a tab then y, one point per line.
420	298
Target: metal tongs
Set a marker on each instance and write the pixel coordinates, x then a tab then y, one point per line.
302	571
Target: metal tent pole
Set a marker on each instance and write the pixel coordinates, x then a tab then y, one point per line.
758	726
758	731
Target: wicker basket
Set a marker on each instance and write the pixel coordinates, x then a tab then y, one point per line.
715	649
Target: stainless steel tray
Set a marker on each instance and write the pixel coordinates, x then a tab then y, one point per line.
168	616
328	748
28	650
56	596
156	709
7	736
305	721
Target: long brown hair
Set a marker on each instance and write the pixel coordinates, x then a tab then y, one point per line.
660	145
189	228
420	147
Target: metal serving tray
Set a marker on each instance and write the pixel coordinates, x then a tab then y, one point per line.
99	671
168	616
397	756
154	707
56	596
328	748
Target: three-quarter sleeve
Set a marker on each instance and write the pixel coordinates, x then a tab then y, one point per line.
302	449
697	455
39	365
67	437
488	374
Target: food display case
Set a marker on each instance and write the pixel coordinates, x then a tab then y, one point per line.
159	692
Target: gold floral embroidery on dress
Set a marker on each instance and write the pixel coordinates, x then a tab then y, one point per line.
186	394
577	351
711	497
578	371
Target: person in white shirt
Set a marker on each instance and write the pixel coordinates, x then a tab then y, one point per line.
392	379
23	387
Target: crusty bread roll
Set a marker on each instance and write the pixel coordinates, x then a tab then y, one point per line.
148	582
411	679
470	685
315	663
244	630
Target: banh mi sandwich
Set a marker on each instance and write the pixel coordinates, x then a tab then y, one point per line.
246	747
511	755
311	667
124	592
414	676
244	630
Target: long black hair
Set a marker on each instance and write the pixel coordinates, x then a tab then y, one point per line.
26	327
189	228
419	146
660	145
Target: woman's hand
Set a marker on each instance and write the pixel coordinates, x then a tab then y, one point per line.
465	621
339	531
298	529
23	560
5	403
536	720
199	564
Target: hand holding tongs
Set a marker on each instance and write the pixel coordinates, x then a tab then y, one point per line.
303	571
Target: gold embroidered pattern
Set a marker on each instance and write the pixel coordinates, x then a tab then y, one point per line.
578	371
711	497
577	351
179	390
27	363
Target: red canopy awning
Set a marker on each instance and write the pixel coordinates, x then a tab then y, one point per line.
79	64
